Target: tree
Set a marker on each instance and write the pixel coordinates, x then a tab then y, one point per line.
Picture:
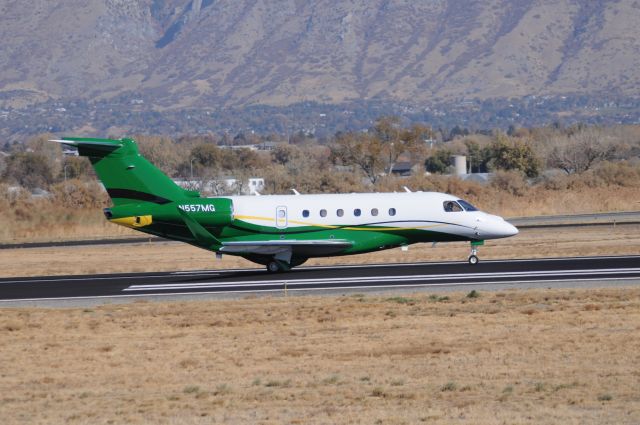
458	131
245	159
75	167
388	133
477	156
160	151
376	152
207	155
395	140
513	154
439	162
364	150
29	169
584	149
283	153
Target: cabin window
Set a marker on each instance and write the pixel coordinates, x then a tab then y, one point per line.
452	206
374	212
357	212
305	213
392	211
467	206
323	213
340	212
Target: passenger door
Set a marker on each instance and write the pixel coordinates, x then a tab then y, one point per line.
281	217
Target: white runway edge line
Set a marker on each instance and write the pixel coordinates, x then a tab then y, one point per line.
424	263
376	287
49	279
368	279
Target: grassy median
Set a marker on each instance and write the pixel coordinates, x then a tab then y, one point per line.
540	356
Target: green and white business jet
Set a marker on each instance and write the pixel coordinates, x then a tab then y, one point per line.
279	231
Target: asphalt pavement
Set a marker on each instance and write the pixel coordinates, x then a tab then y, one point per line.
444	276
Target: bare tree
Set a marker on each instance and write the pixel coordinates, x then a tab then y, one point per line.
376	152
582	151
363	150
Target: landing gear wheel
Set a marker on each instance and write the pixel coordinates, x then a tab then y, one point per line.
273	267
473	256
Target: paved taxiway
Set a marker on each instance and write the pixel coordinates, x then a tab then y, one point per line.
598	271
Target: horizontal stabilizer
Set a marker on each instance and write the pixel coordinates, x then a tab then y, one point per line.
79	141
128	177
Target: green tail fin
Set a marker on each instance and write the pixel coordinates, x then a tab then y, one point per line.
127	175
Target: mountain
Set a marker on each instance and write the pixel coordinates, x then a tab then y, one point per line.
173	54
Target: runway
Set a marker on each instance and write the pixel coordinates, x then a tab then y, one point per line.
487	275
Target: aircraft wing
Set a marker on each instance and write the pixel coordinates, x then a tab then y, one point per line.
296	247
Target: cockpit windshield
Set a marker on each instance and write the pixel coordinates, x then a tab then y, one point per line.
467	206
451	206
457	206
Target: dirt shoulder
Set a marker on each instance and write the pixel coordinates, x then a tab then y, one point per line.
539	356
620	239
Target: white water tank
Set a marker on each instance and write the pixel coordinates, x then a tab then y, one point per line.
460	164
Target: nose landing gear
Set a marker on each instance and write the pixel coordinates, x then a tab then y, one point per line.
473	257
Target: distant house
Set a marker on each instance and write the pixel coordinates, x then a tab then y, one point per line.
264	146
402	168
238	147
477	177
69	152
268	146
223	185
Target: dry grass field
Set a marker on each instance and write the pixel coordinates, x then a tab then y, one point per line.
530	243
510	357
42	221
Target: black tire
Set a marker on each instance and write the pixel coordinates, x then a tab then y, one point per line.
273	267
473	260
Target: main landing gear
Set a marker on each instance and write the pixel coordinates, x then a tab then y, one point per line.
273	266
276	266
473	257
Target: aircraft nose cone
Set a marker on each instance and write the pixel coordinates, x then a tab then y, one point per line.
510	229
495	227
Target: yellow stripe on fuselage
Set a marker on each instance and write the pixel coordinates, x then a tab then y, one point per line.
326	226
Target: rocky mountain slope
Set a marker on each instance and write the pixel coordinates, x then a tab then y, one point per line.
204	53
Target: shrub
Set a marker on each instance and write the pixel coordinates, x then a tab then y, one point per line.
275	383
449	386
79	194
378	392
618	174
400	300
512	182
222	389
191	389
473	294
